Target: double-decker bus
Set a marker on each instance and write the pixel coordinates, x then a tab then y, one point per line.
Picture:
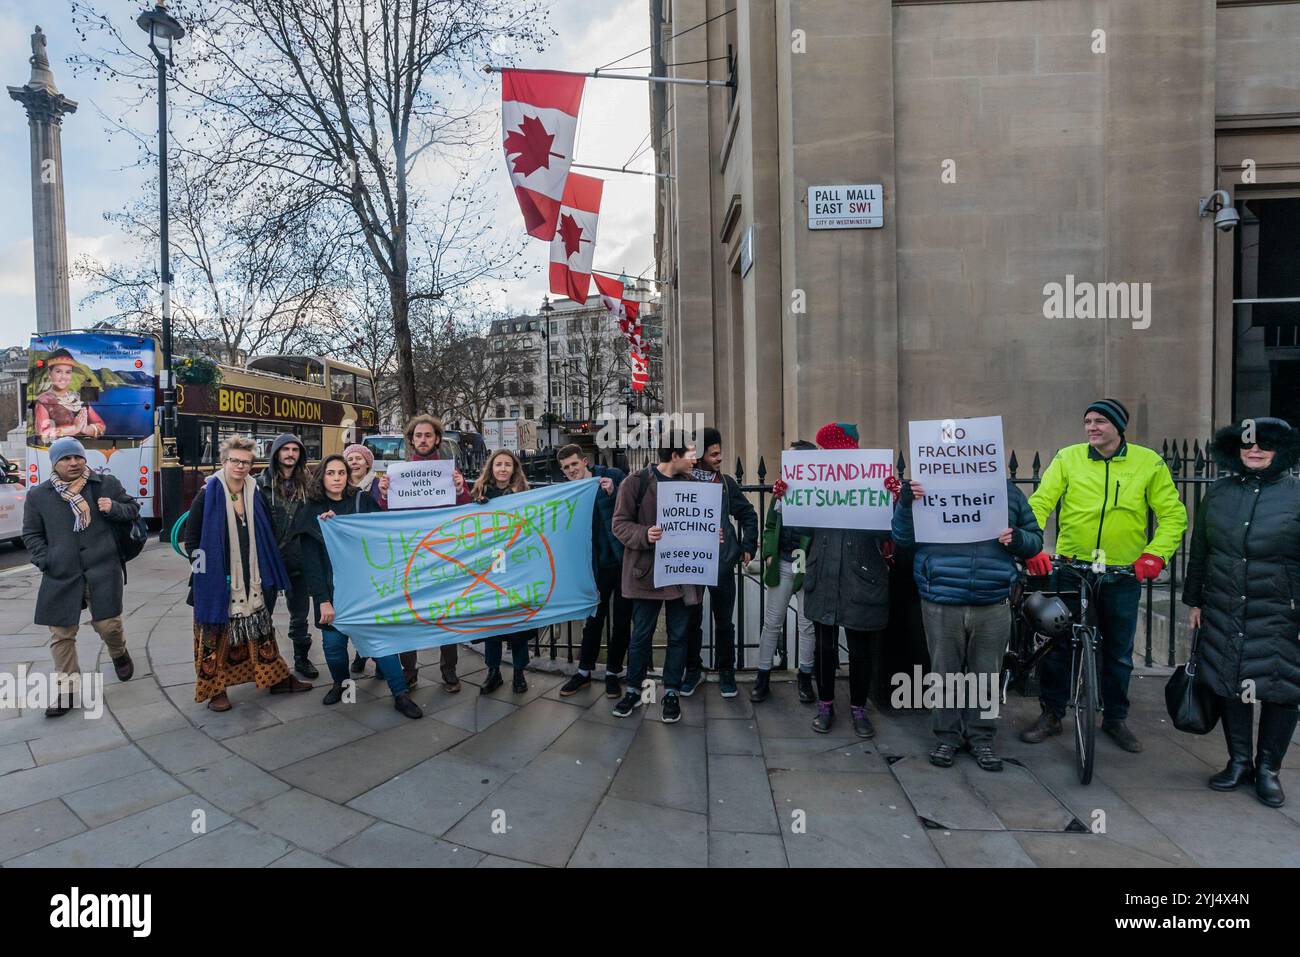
327	403
103	389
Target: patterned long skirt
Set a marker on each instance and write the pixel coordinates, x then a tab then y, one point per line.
219	665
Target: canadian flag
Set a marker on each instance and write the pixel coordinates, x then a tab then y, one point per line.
623	310
574	244
539	118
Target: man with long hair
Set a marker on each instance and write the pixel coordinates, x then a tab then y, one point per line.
283	485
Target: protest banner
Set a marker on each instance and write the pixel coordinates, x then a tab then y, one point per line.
961	466
427	484
419	578
842	488
689	513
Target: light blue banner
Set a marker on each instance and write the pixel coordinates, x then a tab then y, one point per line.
423	577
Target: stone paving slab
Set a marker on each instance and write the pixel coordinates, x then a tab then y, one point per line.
306	820
233	783
125	796
31	786
15	757
630	834
35	826
382	843
745	850
129	841
354	768
665	766
432	796
740	798
234	845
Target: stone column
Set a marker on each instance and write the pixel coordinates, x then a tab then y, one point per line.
45	107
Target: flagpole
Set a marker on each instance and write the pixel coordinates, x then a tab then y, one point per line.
615	169
617	76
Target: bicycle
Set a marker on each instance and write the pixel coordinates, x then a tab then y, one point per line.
1051	620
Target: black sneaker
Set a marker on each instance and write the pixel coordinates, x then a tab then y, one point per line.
985	758
493	682
575	684
672	709
613	686
406	706
690	681
334	695
518	684
727	683
358	664
630	702
305	667
807	694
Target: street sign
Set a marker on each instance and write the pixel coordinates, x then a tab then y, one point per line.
846	207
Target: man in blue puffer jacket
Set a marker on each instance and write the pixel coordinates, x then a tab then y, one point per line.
964	605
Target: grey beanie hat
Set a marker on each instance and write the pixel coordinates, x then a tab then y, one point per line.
64	447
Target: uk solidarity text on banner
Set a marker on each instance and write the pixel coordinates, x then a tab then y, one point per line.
413	579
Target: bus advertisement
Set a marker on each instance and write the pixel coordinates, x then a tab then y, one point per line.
100	388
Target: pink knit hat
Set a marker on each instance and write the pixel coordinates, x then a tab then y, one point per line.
365	453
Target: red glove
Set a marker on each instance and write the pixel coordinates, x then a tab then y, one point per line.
894	486
1148	566
887	550
1040	564
778	488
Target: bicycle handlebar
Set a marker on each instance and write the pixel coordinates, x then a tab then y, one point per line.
1064	561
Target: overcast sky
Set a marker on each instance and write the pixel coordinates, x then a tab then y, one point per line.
99	174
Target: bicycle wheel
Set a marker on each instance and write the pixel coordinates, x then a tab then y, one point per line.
1085	706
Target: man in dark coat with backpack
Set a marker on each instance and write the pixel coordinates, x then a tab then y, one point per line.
68	528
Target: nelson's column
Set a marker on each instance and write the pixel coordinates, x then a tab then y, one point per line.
45	107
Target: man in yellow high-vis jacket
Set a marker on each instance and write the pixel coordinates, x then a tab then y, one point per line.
1106	487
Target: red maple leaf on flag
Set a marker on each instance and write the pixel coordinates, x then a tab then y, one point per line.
570	234
533	144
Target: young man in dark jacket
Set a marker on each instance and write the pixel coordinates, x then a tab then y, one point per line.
283	484
636	524
722	596
607	566
965	589
68	530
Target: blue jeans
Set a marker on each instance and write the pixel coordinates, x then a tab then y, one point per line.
1116	613
645	616
518	650
335	644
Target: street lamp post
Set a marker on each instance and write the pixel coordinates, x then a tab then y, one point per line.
546	311
164	31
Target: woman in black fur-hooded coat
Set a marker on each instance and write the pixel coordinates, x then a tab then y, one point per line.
1243	586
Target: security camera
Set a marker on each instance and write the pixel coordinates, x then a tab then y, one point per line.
1226	219
1219	203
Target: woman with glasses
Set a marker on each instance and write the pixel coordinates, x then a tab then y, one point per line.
234	561
1243	586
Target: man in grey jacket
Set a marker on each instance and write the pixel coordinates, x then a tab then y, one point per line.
283	484
68	530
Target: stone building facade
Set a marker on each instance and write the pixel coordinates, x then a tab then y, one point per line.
1026	151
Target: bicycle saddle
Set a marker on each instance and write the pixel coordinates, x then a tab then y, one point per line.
1048	615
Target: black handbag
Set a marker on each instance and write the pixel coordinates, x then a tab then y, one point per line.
1192	707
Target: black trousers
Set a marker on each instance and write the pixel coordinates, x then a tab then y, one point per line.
609	582
826	656
722	602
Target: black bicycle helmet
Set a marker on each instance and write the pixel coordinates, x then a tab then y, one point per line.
1048	615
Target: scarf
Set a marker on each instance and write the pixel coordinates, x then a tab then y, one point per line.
366	480
70	492
221	596
705	475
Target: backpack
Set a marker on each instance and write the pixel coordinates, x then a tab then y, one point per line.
131	537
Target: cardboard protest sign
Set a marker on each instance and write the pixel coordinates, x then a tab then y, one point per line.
419	578
961	465
689	514
842	488
426	484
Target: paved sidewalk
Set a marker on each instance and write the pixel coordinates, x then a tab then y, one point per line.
509	780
